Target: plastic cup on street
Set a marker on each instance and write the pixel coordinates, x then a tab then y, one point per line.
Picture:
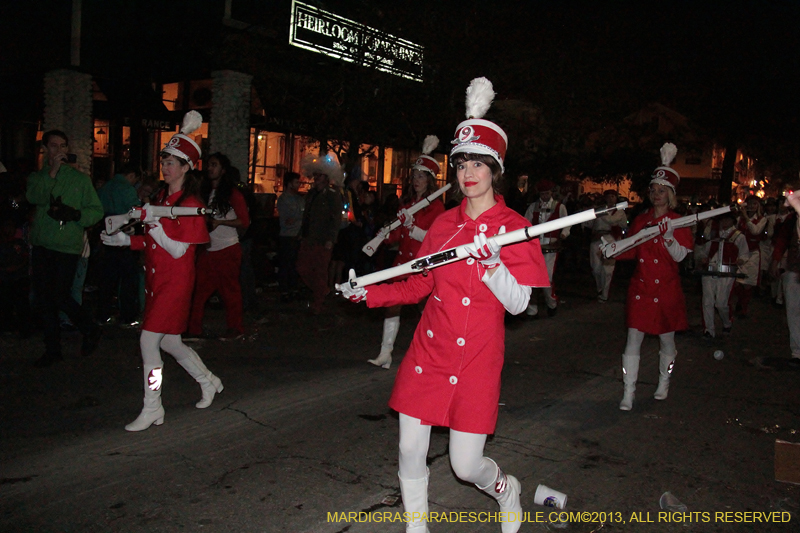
669	502
719	354
549	497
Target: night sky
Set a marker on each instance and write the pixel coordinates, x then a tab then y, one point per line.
728	65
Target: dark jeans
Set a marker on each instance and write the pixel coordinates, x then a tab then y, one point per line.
287	275
120	275
53	274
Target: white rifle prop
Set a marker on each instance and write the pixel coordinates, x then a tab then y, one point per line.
445	257
612	248
372	245
117	223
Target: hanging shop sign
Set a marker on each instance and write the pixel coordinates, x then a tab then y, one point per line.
150	123
327	33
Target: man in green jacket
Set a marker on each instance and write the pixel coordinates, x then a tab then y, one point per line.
66	204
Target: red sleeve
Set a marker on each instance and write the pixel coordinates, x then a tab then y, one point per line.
408	291
523	259
240	208
425	218
137	242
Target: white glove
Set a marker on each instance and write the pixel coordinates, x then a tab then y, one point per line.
405	218
417	233
118	239
354	295
485	251
507	290
666	228
148	216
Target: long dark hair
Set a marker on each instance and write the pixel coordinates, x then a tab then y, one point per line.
409	195
227	183
191	184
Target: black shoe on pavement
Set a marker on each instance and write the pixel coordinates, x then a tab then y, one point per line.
47	360
726	331
551	311
708	336
90	341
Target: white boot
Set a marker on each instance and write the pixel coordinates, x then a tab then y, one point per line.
506	490
152	412
209	383
630	373
665	364
415	502
390	328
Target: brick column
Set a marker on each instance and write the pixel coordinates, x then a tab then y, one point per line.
229	127
68	107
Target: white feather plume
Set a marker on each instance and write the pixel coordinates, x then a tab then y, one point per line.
668	153
480	95
191	121
429	144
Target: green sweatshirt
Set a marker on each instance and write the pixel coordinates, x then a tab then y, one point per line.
76	190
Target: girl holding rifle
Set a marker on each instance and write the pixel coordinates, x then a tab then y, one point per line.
169	250
656	305
451	374
410	235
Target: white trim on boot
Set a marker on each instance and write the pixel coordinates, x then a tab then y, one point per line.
630	373
390	328
506	489
665	365
152	411
210	384
415	501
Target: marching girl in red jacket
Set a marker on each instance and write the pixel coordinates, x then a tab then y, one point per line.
656	305
169	251
450	375
410	234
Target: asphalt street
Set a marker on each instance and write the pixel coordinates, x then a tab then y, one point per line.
302	429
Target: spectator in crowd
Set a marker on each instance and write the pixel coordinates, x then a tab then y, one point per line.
66	204
322	219
751	223
219	263
290	211
119	266
787	250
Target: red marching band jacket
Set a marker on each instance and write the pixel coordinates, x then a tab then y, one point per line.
423	219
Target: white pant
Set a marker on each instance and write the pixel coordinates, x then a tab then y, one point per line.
466	453
791	289
716	292
150	342
550	262
602	269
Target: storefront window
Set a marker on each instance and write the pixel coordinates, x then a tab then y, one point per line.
101	139
170	92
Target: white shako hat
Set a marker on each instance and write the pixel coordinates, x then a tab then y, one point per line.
425	162
476	135
665	174
323	163
182	146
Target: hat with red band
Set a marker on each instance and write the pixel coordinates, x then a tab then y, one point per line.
476	135
182	146
544	185
425	162
665	174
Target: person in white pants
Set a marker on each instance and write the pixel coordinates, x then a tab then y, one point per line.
787	248
612	226
722	255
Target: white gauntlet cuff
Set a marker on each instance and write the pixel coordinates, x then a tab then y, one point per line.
676	251
174	248
417	233
507	290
